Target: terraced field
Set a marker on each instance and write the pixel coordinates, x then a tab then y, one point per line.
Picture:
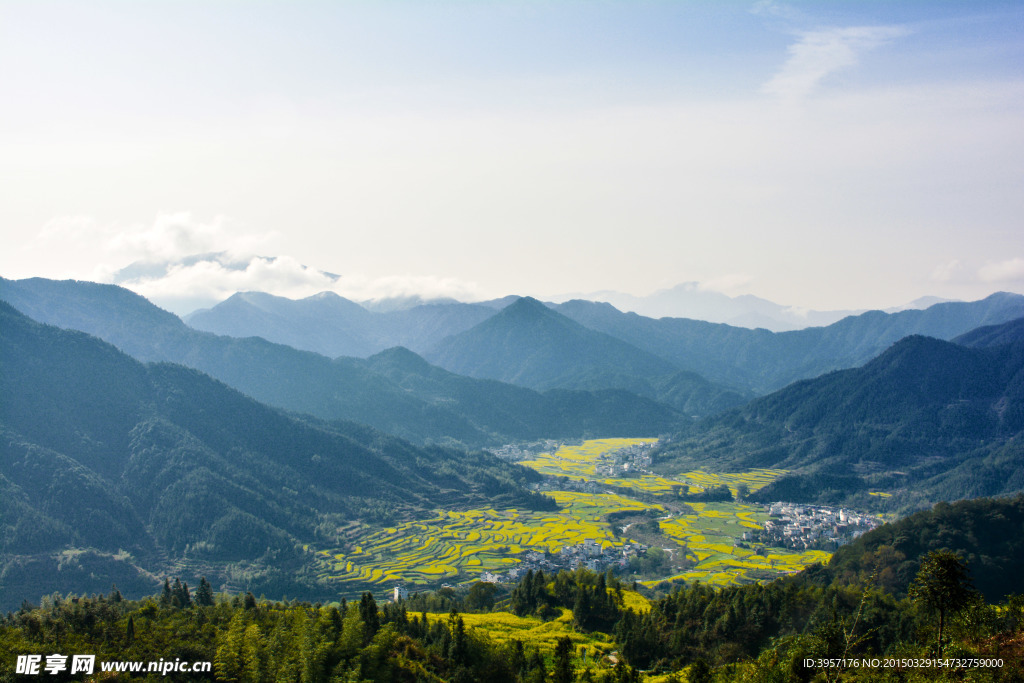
710	541
460	545
455	544
581	463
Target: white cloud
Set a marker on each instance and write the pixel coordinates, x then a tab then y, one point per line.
204	281
730	283
214	280
818	54
360	287
947	272
182	263
173	236
1011	270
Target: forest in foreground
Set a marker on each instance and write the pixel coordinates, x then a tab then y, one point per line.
922	599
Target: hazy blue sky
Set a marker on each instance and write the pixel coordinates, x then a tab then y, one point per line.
821	154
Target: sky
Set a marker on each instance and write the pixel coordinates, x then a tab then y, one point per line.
825	155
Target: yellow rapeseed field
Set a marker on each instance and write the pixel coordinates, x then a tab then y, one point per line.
461	544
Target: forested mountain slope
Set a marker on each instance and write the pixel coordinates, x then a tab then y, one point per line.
147	464
987	533
993	335
344	388
927	420
501	407
532	345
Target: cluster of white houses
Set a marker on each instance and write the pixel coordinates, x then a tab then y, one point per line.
524	451
804	527
590	554
626	460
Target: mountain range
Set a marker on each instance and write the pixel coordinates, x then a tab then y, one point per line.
926	420
150	464
699	302
334	326
760	361
694	300
472	412
127	432
531	370
736	361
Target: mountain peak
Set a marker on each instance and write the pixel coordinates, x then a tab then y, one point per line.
526	305
399	357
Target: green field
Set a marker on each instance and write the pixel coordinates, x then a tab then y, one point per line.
457	546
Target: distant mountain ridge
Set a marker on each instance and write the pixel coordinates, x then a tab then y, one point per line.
761	361
727	357
334	326
344	388
694	301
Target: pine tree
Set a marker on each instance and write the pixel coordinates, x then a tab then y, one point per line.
538	673
368	613
179	594
517	658
563	671
581	608
522	596
204	595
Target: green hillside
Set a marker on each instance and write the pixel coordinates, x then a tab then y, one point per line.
471	412
148	466
531	345
927	420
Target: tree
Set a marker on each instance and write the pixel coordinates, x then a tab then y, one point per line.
204	595
481	596
700	671
563	672
166	594
942	584
368	613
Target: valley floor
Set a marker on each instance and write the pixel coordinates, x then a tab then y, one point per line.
613	515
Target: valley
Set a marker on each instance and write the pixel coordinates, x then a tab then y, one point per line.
640	526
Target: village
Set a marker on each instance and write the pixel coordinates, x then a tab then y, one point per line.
623	462
797	527
590	555
515	452
810	527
